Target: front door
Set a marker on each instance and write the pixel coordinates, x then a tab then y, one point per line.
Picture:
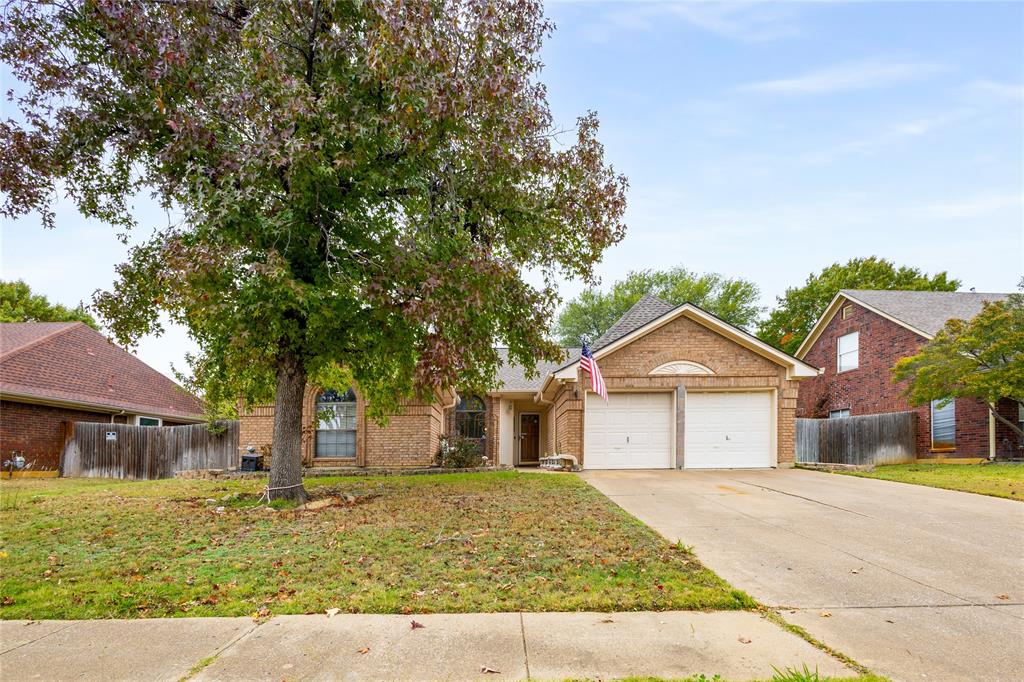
529	438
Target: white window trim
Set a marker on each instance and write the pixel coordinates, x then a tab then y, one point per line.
838	413
855	352
139	417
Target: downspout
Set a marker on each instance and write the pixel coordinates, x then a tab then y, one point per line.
991	436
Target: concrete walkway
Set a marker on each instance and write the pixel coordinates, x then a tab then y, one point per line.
496	646
914	582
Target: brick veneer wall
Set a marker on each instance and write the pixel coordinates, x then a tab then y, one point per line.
869	389
37	431
734	367
410	438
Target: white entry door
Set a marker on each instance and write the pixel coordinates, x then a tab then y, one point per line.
728	430
630	431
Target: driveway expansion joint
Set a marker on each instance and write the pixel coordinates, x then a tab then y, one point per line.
41	637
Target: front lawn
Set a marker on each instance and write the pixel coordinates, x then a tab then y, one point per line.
505	541
999	480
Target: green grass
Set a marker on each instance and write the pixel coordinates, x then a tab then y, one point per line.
505	541
788	675
998	480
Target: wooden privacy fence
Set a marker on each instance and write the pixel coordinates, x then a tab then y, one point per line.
96	450
872	439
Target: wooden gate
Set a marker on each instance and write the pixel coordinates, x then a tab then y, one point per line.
871	439
97	450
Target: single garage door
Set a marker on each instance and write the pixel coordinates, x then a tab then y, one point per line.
728	430
630	431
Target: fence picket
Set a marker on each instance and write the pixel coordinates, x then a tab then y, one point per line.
147	452
870	439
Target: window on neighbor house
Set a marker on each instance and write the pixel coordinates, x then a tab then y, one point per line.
849	351
336	424
147	421
943	425
839	414
470	416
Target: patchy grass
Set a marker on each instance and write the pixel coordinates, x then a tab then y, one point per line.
999	480
504	541
788	675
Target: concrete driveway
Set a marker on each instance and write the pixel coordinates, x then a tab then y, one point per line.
917	583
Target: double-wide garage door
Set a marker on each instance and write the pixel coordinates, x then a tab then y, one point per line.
722	430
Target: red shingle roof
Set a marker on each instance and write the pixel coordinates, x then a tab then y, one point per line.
71	362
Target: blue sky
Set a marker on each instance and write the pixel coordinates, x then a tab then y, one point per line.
761	140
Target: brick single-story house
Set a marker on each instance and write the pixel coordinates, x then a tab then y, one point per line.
860	337
54	373
686	390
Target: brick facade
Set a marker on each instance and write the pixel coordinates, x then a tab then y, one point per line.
734	367
37	432
869	389
410	438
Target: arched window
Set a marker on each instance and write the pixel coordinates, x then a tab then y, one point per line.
336	424
470	417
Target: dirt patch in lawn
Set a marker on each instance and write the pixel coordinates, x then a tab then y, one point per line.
503	541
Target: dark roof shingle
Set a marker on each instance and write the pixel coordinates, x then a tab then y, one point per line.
926	311
512	377
645	310
74	363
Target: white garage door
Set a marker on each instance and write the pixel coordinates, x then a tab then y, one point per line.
630	431
728	430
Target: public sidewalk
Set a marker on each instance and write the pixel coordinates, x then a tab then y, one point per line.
489	646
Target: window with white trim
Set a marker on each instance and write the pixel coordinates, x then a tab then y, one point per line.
839	414
848	351
336	424
943	425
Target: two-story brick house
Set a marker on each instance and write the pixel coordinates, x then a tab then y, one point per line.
860	337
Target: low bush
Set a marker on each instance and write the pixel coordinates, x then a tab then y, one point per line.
457	452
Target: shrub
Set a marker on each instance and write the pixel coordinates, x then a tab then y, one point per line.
457	452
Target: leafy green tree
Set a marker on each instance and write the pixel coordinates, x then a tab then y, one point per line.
799	308
361	184
591	313
982	358
19	304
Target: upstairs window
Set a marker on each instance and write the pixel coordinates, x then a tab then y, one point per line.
336	424
470	417
943	425
848	351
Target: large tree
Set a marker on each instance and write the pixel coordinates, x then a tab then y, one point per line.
590	314
799	308
981	358
361	184
19	304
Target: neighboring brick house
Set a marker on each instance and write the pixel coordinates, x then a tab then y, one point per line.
53	373
860	337
686	390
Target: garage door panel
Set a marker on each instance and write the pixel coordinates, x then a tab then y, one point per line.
630	431
728	430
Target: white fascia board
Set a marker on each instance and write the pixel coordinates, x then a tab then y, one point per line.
834	306
796	367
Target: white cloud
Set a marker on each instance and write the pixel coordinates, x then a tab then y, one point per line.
742	21
975	206
864	75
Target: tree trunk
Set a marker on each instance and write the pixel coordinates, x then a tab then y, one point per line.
286	452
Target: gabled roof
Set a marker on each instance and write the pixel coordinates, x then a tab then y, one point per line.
643	311
922	312
71	363
796	368
512	377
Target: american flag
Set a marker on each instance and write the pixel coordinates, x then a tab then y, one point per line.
588	363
